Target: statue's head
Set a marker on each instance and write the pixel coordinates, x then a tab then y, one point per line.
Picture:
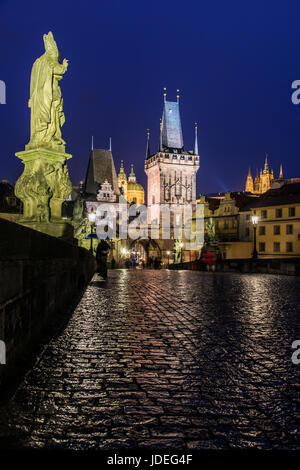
50	46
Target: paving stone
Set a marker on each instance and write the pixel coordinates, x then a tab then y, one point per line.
164	359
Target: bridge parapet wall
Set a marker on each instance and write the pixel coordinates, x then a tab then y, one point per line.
41	279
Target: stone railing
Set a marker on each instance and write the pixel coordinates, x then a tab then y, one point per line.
41	280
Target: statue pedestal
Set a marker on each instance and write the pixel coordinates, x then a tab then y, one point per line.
43	187
61	229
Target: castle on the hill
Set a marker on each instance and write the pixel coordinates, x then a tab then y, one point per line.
261	183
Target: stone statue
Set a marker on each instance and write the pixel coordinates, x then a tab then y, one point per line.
177	250
79	222
45	183
45	101
211	230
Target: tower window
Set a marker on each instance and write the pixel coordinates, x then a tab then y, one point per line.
262	230
263	214
276	229
153	199
291	211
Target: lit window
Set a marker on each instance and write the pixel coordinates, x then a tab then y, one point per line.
276	229
263	214
262	246
276	247
292	212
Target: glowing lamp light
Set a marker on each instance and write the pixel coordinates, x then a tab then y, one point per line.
181	245
168	252
92	216
254	219
124	251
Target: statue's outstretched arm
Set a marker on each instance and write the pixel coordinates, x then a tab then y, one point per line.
60	69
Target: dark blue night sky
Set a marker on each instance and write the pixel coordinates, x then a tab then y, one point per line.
233	61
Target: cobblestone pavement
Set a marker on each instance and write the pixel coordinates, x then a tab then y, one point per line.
184	360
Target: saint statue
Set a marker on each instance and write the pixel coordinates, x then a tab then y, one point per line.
45	101
211	230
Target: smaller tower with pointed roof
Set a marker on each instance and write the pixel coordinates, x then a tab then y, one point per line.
122	181
135	191
249	183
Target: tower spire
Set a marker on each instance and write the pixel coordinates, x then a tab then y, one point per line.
266	169
281	172
92	142
196	140
165	94
131	177
249	188
148	144
110	143
160	149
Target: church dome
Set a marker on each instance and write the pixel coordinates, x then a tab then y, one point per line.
134	187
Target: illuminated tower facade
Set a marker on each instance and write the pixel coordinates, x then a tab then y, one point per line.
171	172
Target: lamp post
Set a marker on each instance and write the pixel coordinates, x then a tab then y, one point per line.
92	220
254	222
181	246
168	253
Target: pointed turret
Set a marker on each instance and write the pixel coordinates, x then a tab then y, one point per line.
122	180
281	173
196	140
266	168
256	182
131	177
148	145
122	172
110	144
160	146
249	182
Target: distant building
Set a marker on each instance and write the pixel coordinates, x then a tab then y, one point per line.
130	188
263	182
10	205
278	230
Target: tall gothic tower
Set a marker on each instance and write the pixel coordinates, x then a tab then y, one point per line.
249	183
171	172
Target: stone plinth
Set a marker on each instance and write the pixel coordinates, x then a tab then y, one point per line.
43	187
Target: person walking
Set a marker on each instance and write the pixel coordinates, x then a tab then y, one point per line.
101	257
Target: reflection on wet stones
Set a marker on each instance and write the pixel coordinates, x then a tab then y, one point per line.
183	360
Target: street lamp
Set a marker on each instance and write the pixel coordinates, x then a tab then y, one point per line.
92	220
181	246
168	253
254	222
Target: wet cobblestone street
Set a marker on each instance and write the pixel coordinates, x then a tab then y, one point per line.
184	360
